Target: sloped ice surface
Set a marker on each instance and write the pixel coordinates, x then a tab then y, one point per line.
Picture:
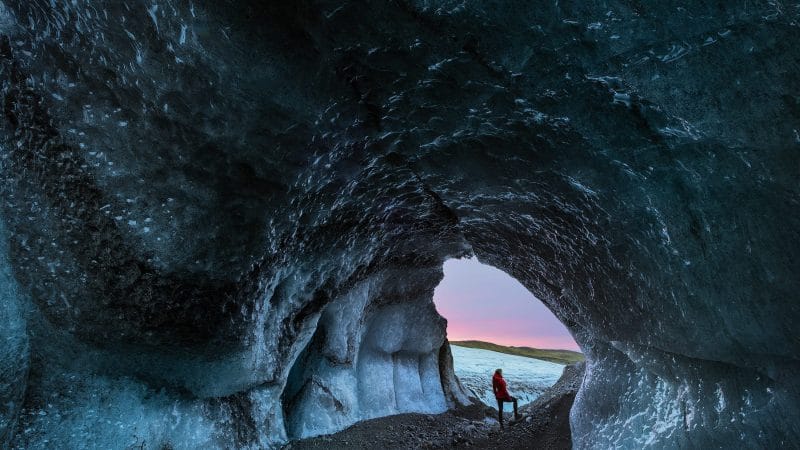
527	378
228	218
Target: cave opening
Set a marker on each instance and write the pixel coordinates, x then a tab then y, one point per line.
493	321
222	225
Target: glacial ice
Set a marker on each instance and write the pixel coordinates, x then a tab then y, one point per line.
367	363
13	346
251	256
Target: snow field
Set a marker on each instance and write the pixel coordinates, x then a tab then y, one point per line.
527	378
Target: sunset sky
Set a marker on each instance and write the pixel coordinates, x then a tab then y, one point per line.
484	303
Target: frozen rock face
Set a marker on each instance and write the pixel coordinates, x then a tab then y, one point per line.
229	218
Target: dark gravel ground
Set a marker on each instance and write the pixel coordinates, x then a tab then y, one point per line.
544	424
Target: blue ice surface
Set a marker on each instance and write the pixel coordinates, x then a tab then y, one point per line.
14	351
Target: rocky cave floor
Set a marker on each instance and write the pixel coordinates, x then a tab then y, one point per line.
544	424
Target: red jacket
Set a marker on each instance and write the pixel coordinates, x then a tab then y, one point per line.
499	386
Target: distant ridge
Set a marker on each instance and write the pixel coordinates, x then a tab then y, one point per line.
556	356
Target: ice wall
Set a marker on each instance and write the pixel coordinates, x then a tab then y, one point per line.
199	195
375	353
13	347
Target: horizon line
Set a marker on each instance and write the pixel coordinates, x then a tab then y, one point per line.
514	346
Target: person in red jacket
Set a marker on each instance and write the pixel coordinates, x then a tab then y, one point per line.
501	394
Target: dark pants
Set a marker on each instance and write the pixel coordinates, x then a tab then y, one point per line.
508	399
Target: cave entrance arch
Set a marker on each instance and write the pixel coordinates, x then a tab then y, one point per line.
493	321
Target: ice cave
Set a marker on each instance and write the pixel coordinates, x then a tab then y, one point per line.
222	221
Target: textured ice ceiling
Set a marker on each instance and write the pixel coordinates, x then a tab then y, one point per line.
223	221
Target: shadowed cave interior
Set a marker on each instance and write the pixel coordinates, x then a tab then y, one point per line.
223	222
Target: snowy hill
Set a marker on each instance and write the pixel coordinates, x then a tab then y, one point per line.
527	378
546	354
